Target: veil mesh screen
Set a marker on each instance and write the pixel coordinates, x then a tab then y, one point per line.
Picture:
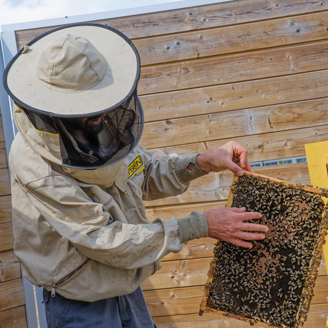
120	131
273	281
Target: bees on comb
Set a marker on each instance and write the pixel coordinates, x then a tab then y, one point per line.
273	281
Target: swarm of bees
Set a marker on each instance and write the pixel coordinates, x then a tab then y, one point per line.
273	281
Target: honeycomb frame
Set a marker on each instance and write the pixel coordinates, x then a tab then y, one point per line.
309	282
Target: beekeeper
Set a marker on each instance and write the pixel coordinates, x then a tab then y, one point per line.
79	178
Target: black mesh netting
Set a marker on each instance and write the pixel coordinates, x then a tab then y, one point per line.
42	123
273	281
118	133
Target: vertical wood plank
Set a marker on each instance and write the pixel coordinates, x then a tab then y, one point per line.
13	318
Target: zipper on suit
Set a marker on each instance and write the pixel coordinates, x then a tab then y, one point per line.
67	277
53	290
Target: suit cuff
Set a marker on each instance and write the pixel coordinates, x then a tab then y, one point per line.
181	169
192	226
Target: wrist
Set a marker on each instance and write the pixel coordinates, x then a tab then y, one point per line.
203	163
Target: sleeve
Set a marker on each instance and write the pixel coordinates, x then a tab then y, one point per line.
99	232
168	175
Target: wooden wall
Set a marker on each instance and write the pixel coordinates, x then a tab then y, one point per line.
254	71
12	309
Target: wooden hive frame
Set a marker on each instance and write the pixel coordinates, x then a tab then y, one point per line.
316	257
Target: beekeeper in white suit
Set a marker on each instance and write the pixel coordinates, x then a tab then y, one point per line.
79	178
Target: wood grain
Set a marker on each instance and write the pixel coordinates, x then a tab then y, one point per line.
197	18
239	95
9	267
197	248
174	301
175	274
233	39
216	186
5	209
233	68
7	238
180	211
322	270
13	318
261	147
272	146
11	294
179	301
4	182
3	158
188	273
235	124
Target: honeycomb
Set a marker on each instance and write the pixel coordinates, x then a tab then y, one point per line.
273	281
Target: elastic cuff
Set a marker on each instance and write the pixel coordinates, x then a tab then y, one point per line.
181	169
192	226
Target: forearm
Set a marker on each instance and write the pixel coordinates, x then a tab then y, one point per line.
204	162
169	176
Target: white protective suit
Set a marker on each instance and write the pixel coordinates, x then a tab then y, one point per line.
84	233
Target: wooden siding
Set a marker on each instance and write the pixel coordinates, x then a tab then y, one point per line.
12	309
253	71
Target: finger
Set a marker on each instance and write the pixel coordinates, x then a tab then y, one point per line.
250	236
235	168
246	166
241	243
250	216
237	209
243	159
255	227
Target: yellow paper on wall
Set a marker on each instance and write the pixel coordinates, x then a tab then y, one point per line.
317	159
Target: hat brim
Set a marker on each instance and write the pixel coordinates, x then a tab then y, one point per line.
119	84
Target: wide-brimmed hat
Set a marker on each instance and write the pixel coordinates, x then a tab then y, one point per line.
76	70
85	70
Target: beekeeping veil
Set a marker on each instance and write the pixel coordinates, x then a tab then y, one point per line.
85	71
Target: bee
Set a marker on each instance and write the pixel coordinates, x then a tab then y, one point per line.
270	281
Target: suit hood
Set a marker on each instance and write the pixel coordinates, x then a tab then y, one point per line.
48	146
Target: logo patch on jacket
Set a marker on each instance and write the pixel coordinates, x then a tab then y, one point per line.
136	165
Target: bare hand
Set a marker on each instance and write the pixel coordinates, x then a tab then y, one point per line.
227	224
226	156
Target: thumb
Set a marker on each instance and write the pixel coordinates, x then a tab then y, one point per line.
235	168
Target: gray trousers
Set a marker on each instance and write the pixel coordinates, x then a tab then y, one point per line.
128	311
